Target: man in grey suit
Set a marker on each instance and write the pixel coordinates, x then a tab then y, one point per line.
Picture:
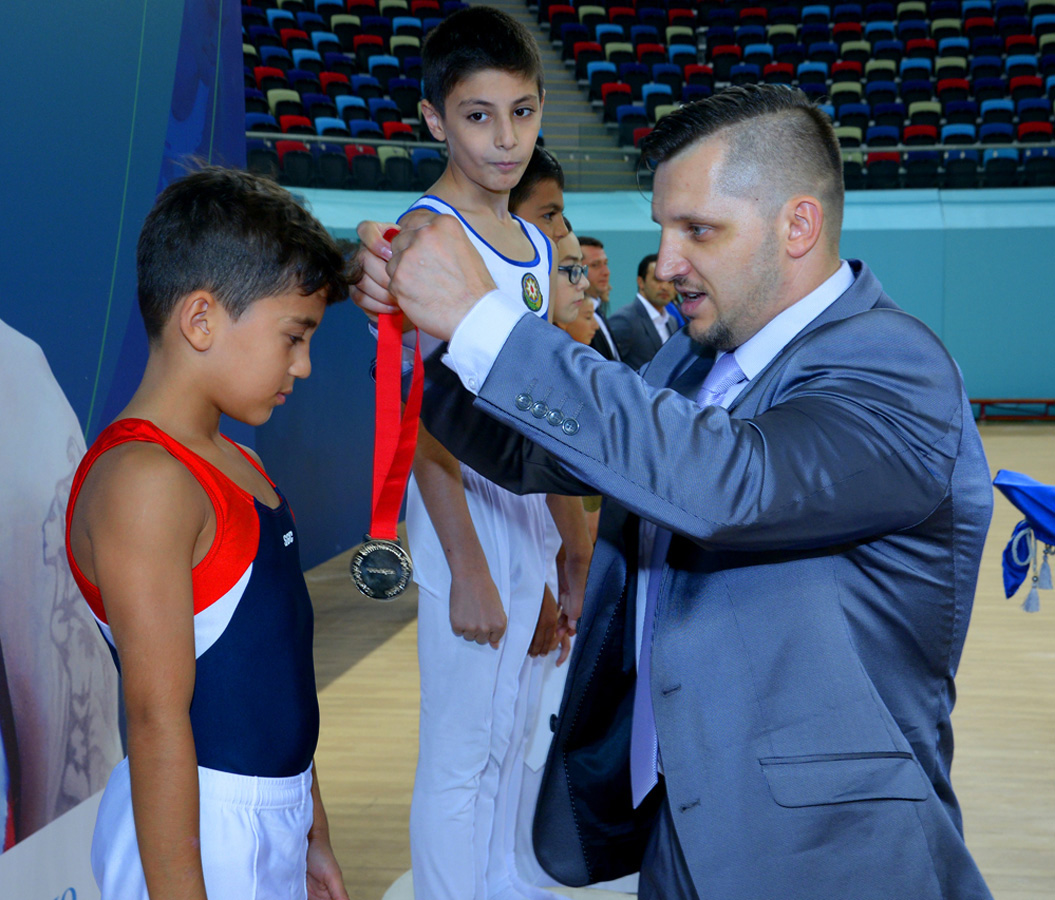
759	700
644	325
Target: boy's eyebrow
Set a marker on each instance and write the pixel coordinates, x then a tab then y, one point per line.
306	321
479	102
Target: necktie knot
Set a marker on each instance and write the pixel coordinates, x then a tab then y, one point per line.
724	374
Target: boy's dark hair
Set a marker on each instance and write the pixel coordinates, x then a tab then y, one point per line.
542	166
237	235
642	267
587	241
775	134
470	41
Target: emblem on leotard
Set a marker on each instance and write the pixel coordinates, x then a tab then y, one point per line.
532	292
381	569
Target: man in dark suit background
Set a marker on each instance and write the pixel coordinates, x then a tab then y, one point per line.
598	293
644	325
759	700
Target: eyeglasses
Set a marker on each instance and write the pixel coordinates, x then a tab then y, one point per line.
574	273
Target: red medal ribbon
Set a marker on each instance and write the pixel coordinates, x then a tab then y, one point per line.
394	437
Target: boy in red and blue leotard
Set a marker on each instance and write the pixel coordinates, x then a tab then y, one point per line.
187	555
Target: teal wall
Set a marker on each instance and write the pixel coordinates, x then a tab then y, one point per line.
976	266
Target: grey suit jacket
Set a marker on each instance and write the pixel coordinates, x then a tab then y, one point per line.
634	334
827	535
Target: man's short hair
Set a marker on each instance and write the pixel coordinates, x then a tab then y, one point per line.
470	41
587	241
642	267
237	235
775	134
542	166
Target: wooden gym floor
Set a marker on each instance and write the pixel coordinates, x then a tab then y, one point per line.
1004	769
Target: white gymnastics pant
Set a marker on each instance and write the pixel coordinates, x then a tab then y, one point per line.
254	837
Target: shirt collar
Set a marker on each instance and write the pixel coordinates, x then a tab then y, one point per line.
761	349
656	315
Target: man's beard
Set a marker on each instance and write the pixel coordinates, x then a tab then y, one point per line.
718	337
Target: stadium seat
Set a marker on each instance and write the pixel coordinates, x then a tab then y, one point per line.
996	133
384	67
364	167
961	169
255	102
316	105
636	75
428	165
890	114
1038	167
614	95
882	136
846	70
958	134
670	75
925	113
848	135
778	73
284	102
383	109
261	122
331	125
857	51
261	158
296	163
366	86
396	168
1000	167
653	95
628	117
845	92
998	110
598	74
365	128
857	115
1033	109
960	112
883	170
351	108
950	67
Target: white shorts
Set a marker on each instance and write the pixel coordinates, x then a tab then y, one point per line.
254	837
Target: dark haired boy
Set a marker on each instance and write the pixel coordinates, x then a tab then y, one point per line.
480	551
187	555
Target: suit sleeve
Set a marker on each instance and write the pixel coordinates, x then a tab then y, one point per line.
858	439
484	443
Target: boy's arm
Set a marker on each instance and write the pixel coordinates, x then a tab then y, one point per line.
573	562
143	521
476	608
325	880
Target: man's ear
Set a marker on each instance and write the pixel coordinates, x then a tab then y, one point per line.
198	316
804	218
433	120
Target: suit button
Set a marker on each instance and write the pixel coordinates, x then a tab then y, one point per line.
523	401
539	409
555	417
553	723
570	427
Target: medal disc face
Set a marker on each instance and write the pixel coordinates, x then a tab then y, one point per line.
381	569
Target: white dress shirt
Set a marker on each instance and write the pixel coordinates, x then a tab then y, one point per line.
660	318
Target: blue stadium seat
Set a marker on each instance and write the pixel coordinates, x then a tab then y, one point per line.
954	46
276	56
961	112
279	15
999	109
261	122
382	109
996	133
1034	109
307	60
856	115
882	136
812	72
331	125
411	25
366	86
961	169
889	114
653	95
364	128
958	134
351	108
1000	167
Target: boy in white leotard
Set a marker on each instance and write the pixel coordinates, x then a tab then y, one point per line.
479	550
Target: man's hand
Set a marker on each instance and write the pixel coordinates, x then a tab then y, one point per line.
435	274
476	609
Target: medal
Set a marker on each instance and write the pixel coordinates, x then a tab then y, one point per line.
381	568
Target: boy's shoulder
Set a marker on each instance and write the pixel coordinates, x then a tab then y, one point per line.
125	479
